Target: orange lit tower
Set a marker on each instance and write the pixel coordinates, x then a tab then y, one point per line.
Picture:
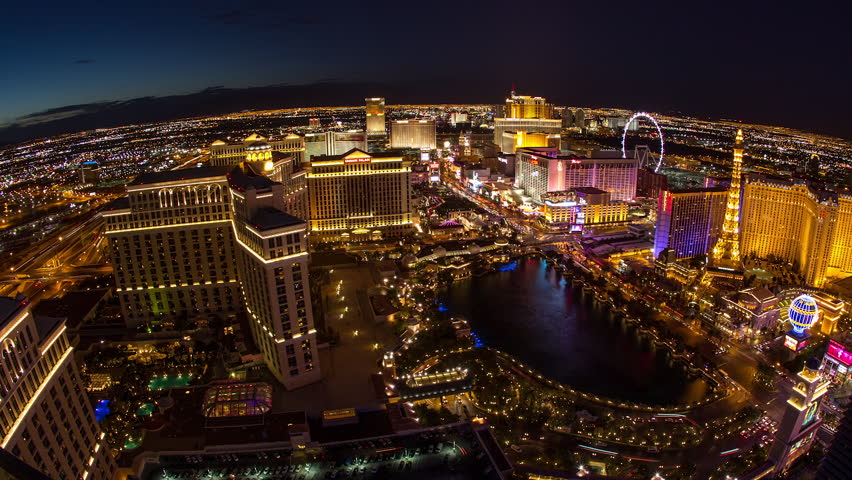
727	250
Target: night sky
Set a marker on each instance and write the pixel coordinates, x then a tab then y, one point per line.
766	62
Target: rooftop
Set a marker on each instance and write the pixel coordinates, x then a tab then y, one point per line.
187	426
167	176
73	307
8	307
358	153
251	180
122	203
237	399
761	294
456	451
270	219
381	305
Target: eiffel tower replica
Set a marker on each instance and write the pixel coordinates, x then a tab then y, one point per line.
725	259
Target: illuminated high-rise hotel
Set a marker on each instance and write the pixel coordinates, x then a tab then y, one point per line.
210	241
801	419
415	134
272	261
375	111
726	252
224	154
172	248
542	170
810	229
524	114
523	106
359	196
689	221
47	420
333	143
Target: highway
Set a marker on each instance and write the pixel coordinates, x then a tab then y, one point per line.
54	266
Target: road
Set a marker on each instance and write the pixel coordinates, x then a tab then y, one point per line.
55	265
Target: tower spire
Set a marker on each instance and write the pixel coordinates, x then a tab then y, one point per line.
727	249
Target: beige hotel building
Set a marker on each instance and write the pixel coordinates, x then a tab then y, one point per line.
808	228
359	196
211	241
46	419
223	153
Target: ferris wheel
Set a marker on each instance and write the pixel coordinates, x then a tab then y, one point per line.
647	160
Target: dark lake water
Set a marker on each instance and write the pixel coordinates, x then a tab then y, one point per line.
532	312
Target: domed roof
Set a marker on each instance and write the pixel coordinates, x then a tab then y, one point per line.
812	363
803	313
258	145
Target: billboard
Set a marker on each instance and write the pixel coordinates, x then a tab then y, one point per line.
838	352
795	344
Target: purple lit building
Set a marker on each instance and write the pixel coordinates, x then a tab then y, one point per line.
689	221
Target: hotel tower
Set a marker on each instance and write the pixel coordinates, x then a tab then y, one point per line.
208	241
46	419
375	111
359	196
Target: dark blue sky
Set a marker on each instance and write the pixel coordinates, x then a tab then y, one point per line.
765	62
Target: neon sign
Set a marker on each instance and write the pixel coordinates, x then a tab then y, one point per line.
357	160
839	353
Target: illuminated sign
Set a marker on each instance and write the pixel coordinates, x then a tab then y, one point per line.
839	353
790	342
566	203
357	160
794	343
576	162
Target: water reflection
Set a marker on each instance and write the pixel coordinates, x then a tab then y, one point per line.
532	312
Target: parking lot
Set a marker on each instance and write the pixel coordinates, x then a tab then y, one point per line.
447	453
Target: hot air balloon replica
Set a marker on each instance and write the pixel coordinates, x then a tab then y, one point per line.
803	313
